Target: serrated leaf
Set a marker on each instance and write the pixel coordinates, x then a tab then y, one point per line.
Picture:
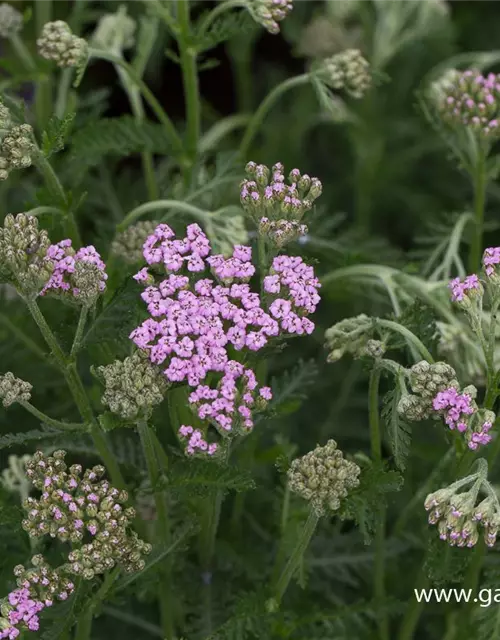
290	390
397	427
13	439
200	477
54	136
110	421
231	25
445	564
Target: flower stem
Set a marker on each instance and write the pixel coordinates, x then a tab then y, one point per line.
163	528
158	205
409	336
43	93
265	106
68	426
84	627
77	341
22	52
62	93
295	558
376	451
219	9
480	184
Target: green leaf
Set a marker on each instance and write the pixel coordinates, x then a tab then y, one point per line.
13	439
398	429
110	421
232	25
199	477
290	390
445	564
54	136
485	619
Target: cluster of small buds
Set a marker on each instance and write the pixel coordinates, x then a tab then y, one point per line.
294	288
459	519
277	207
81	273
132	386
16	149
57	43
472	100
491	258
352	335
269	13
14	389
465	291
323	477
460	412
128	245
38	587
5	117
115	32
23	249
426	381
347	70
11	21
73	507
195	442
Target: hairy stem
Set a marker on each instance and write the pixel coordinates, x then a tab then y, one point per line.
84	626
77	341
43	92
409	336
62	93
68	426
163	528
480	184
158	205
265	106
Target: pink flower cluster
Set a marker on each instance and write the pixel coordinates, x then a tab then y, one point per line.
460	288
491	258
474	100
65	260
457	407
196	442
197	320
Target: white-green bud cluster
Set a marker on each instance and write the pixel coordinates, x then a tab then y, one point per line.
460	521
132	386
16	148
426	381
128	245
83	508
269	13
14	389
354	336
348	71
58	43
11	21
5	117
87	282
115	32
323	477
23	247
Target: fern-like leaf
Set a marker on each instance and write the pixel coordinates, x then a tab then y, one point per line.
13	439
290	390
54	136
398	429
205	477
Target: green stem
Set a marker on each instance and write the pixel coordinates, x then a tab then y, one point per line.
480	183
68	426
163	528
221	8
376	451
158	205
265	106
188	56
409	336
63	92
43	92
84	627
77	341
22	52
240	50
295	558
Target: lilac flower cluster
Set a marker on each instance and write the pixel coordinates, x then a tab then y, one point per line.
196	321
270	12
37	589
195	442
473	100
460	289
457	409
491	258
82	274
277	207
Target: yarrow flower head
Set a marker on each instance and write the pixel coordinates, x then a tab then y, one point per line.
79	276
472	101
277	207
14	389
354	336
115	32
58	43
128	244
323	477
132	386
11	21
491	260
37	588
16	149
465	291
459	518
83	509
347	70
269	13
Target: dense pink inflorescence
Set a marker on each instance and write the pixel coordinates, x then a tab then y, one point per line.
460	288
491	258
196	321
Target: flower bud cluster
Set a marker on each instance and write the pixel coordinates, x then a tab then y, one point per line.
491	260
269	13
14	389
277	207
16	149
23	250
115	32
128	245
347	70
472	100
354	336
75	507
5	117
132	386
11	21
466	291
426	381
57	43
80	275
38	587
323	477
460	521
